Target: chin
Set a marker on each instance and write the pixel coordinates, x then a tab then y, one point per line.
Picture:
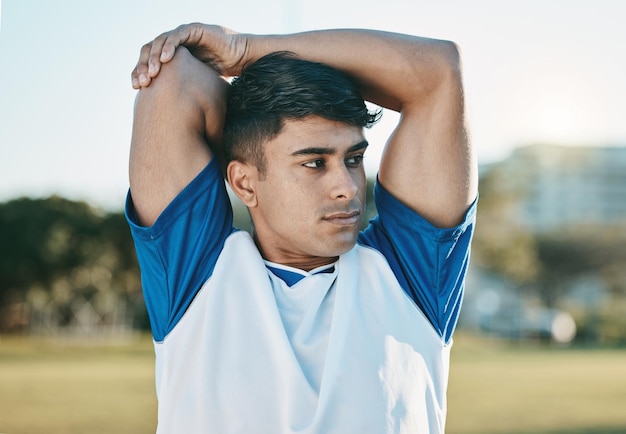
341	247
334	244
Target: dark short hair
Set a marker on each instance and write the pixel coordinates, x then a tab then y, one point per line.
279	87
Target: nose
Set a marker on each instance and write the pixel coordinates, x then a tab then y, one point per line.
345	183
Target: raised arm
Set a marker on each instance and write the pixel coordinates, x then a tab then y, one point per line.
178	120
428	162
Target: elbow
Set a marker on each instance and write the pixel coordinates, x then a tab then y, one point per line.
434	67
449	60
453	53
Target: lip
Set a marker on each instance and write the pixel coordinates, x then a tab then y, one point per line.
344	218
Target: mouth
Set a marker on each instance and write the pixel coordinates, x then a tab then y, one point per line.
344	218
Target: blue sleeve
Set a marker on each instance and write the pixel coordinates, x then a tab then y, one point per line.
430	263
177	254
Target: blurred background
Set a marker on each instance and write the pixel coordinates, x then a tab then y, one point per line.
541	343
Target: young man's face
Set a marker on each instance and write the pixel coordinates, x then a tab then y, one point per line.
311	201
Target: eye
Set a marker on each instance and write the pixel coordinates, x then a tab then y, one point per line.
314	164
354	160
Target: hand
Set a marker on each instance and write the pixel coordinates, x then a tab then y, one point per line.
221	48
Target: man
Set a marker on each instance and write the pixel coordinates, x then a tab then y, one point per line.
306	326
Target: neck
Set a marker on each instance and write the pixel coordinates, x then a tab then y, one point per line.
294	260
307	265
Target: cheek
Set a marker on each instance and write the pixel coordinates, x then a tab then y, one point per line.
287	201
296	204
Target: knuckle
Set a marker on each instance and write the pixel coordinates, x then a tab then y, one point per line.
140	68
161	37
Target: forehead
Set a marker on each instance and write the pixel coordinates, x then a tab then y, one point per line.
315	132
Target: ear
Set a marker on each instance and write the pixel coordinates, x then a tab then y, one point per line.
242	179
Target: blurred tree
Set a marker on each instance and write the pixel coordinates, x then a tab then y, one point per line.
55	249
571	254
502	244
580	250
40	238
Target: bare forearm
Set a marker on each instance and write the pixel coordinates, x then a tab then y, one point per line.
392	69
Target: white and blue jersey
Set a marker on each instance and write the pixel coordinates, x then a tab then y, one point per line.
248	346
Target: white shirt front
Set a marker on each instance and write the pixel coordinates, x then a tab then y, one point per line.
342	352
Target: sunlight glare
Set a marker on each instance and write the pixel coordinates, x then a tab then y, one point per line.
556	122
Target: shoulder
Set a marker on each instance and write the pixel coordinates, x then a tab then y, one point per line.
428	262
398	224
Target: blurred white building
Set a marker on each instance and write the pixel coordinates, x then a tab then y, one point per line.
547	188
564	185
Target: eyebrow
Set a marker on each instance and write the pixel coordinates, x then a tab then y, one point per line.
362	145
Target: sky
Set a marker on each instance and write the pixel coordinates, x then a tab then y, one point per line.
549	71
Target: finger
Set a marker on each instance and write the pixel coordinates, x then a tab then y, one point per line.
134	78
154	58
169	48
174	39
140	76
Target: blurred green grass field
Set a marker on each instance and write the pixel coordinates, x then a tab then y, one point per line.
66	387
498	388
